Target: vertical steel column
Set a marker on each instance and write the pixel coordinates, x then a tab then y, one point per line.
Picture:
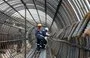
46	12
25	33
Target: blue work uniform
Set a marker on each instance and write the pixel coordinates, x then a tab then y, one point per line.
45	35
39	38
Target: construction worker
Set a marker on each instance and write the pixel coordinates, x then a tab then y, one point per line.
86	36
45	34
87	32
39	36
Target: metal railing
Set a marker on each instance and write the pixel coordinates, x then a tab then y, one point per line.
13	46
71	42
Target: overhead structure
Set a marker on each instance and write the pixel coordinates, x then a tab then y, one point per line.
24	15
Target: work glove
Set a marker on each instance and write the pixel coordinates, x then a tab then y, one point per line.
46	38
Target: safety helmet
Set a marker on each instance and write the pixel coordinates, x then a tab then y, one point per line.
39	25
46	29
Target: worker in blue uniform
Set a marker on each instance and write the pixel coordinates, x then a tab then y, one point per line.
39	36
45	34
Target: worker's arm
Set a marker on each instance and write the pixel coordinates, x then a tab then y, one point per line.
86	32
47	34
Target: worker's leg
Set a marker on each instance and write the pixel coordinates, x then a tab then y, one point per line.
44	43
38	44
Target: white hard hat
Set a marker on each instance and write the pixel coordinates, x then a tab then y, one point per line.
46	29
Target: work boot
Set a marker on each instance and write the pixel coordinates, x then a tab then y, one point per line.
38	47
44	46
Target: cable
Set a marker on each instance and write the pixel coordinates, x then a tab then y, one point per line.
28	10
17	11
58	6
37	10
10	17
